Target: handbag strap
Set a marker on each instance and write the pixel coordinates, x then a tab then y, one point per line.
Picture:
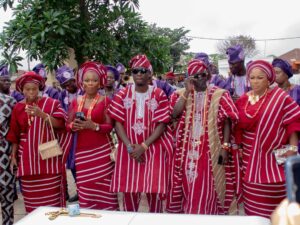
43	128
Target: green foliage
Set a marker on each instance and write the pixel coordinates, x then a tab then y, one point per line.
178	40
109	31
10	58
45	33
6	3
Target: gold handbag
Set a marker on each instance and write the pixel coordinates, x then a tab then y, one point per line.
51	148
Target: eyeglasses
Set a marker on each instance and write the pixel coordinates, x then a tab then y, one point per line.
141	70
198	75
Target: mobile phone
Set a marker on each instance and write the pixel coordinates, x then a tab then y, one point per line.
292	174
80	115
220	160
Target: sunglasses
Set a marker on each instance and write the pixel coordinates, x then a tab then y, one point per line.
141	70
198	75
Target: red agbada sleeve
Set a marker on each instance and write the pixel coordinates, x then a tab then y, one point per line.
238	130
162	112
173	100
116	109
71	114
228	109
106	126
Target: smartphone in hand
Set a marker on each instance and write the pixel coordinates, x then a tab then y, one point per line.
80	115
292	173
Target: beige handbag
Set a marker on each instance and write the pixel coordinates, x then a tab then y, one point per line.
51	148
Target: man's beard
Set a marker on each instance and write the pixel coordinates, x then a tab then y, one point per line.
141	84
200	86
5	91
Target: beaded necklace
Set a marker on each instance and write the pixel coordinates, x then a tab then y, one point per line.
264	96
94	102
196	141
202	110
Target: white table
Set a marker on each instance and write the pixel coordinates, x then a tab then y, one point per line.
132	218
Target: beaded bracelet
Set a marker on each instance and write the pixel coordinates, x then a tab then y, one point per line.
293	148
144	146
226	146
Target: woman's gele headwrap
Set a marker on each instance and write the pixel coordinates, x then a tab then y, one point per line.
263	65
96	67
29	77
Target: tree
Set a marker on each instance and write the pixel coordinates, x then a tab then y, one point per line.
11	59
247	42
6	3
109	31
178	39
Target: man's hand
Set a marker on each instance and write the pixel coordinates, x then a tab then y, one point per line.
189	85
224	155
137	153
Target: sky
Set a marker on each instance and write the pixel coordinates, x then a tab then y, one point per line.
261	19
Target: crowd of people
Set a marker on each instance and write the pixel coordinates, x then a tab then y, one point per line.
204	146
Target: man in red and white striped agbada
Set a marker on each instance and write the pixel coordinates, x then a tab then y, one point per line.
202	178
269	119
43	181
141	114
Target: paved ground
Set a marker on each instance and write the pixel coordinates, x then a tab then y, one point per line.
20	209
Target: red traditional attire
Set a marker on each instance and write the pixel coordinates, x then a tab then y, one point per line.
198	184
93	164
42	180
264	127
150	176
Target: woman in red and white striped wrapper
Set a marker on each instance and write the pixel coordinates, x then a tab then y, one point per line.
145	144
42	180
203	178
93	164
269	119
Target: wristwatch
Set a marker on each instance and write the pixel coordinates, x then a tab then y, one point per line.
129	148
97	127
